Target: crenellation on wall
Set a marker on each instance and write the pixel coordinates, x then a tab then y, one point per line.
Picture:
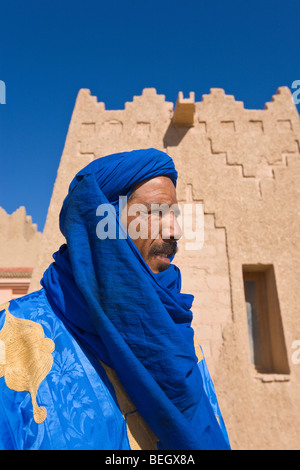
19	239
184	113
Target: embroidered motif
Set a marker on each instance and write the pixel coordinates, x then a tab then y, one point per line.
28	358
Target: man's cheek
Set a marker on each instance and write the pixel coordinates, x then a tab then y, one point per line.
154	225
138	227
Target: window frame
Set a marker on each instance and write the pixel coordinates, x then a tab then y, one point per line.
274	358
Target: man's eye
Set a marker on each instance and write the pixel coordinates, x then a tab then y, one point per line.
155	211
159	213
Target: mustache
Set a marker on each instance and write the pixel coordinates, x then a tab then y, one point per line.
168	248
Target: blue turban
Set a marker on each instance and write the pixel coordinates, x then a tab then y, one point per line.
135	321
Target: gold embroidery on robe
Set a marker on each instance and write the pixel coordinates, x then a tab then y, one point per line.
25	357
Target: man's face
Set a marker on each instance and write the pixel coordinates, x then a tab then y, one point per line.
157	230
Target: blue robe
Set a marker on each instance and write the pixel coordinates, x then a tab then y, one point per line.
82	409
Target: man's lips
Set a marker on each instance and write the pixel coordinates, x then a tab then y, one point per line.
164	258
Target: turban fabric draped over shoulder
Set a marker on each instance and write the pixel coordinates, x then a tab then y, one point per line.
135	321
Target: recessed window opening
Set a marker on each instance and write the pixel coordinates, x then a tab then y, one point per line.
266	337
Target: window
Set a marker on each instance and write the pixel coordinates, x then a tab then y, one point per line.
266	338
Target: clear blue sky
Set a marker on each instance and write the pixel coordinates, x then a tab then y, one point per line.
51	49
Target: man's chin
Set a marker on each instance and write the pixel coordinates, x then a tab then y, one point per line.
160	264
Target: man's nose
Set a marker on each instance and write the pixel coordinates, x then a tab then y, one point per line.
171	228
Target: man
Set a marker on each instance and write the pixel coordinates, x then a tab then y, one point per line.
103	356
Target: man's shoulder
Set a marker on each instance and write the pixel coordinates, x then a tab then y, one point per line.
25	306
